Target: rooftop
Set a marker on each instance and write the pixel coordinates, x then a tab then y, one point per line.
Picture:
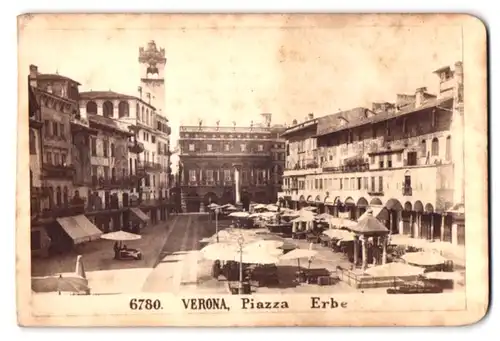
108	123
54	76
92	95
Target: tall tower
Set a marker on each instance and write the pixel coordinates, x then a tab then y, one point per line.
152	61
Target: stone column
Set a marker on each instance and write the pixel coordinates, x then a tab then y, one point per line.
454	233
390	221
356	250
376	241
364	253
443	216
237	184
411	225
384	250
432	227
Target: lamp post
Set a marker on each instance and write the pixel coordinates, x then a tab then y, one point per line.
241	240
217	223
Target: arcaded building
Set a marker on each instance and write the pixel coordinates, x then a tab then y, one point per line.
229	164
404	160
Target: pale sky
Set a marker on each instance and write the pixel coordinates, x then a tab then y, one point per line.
237	73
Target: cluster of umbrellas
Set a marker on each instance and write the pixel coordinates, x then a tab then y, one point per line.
250	247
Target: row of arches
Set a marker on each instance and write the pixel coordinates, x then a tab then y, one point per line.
392	203
144	114
193	199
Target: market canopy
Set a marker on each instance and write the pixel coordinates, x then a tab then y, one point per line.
79	228
394	269
423	258
121	236
369	225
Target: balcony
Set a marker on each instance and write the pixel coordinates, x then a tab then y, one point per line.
58	171
112	183
65	211
149	166
135	147
407	191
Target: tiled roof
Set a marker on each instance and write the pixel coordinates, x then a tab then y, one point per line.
385	115
48	76
107	122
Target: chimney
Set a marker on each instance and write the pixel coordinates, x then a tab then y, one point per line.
310	116
459	73
140	91
148	95
33	75
267	118
419	96
294	122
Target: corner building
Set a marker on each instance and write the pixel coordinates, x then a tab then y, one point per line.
229	165
403	159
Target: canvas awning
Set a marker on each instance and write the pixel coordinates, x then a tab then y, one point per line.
79	228
140	214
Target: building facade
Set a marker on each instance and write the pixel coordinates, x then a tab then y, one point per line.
403	159
229	165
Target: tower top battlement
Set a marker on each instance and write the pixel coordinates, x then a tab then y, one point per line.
152	55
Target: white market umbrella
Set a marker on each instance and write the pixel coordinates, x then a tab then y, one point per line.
292	214
259	206
309	208
444	276
302	219
230	208
423	258
252	257
299	254
213	206
324	216
394	269
239	214
272	208
339	234
121	236
265	245
219	251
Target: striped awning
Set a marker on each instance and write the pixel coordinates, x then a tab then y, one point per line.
79	228
140	214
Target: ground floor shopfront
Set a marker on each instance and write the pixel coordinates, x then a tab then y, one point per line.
196	199
411	218
60	234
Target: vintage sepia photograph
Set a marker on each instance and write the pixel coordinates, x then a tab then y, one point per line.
252	167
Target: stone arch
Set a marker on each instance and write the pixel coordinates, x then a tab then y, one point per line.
65	195
309	198
429	208
349	201
91	107
32	141
123	109
261	197
318	198
227	197
418	206
58	196
435	147
394	205
407	206
375	201
362	202
210	197
302	198
107	109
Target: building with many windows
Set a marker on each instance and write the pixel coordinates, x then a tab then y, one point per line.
403	159
229	164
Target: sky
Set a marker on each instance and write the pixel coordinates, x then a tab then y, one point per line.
243	67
